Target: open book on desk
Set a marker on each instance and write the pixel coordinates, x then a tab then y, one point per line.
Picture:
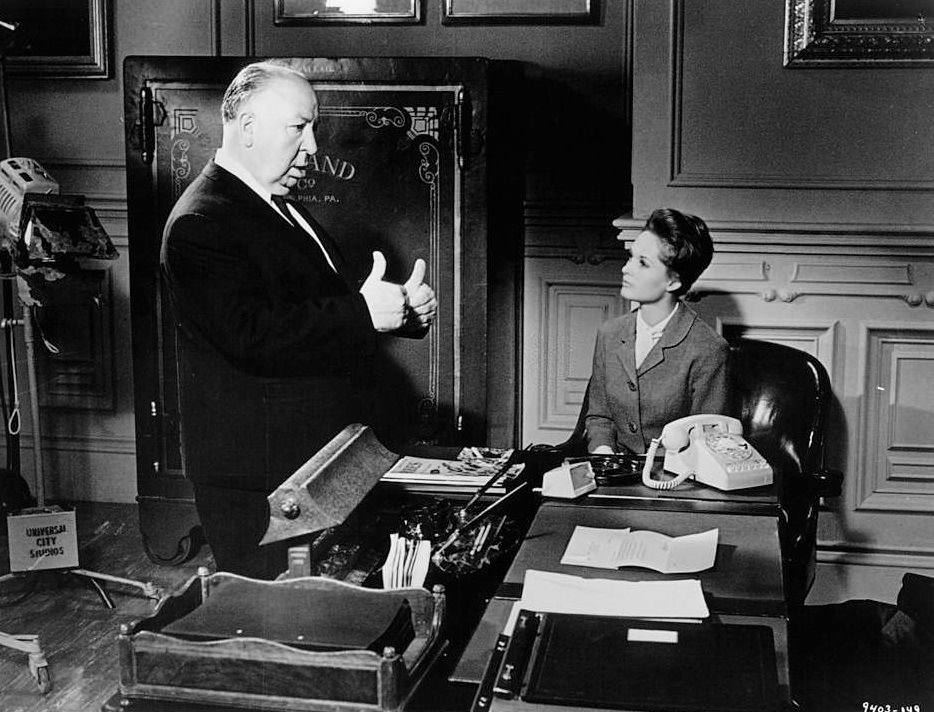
472	469
615	548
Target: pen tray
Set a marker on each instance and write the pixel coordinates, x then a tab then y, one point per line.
436	519
294	644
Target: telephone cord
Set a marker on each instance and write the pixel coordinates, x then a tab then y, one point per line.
647	479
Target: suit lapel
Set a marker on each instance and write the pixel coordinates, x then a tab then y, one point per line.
330	245
247	198
627	348
675	332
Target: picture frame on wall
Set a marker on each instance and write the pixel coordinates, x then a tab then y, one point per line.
346	12
60	39
859	33
519	12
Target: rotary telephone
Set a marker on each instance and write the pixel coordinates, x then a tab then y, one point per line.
712	450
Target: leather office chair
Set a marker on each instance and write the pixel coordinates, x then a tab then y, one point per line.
782	396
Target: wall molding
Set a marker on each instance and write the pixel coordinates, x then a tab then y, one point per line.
758	259
680	178
95	444
564	305
684	179
892	476
856	278
818	337
765	237
574	231
848	554
50	162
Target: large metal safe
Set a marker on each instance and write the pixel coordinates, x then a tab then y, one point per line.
416	158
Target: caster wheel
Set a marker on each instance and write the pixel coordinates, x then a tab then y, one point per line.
44	679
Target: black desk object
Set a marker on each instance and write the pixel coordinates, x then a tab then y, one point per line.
582	661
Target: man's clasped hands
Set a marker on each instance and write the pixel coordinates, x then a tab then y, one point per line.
392	306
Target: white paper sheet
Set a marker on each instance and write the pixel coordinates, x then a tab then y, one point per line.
549	592
614	548
407	563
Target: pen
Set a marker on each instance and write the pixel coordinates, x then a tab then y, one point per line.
489	483
460	529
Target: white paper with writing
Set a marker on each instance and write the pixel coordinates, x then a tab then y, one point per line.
614	548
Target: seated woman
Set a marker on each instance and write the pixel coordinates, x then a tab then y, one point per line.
659	362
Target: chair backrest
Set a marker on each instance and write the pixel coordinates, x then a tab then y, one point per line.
781	395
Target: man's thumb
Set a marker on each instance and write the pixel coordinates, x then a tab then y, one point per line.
379	267
417	277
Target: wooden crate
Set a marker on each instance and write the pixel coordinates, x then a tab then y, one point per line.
159	661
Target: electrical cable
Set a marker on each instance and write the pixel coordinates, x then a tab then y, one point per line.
647	470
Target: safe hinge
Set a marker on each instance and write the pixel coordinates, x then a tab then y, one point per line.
151	114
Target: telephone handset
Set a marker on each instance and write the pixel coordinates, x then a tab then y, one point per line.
710	448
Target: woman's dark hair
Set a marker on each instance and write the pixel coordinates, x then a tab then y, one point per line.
687	247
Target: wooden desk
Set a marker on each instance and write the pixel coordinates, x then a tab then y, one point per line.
744	586
746	578
689	496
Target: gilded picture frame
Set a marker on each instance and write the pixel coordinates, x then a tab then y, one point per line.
61	40
519	12
346	12
858	33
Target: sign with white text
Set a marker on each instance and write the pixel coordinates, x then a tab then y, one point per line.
42	538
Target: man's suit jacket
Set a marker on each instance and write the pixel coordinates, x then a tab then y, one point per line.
275	348
685	373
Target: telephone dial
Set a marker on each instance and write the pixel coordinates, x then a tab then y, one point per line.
712	450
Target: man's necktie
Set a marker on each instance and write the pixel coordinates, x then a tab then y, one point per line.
283	204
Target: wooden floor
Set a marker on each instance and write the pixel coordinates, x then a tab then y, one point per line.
76	631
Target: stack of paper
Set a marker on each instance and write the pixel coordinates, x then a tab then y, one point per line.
407	563
615	548
473	468
548	592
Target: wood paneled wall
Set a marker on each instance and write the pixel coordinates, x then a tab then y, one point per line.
819	197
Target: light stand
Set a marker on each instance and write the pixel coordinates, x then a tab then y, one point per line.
14	492
55	230
29	644
56	244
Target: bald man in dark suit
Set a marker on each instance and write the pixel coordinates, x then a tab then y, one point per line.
275	341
